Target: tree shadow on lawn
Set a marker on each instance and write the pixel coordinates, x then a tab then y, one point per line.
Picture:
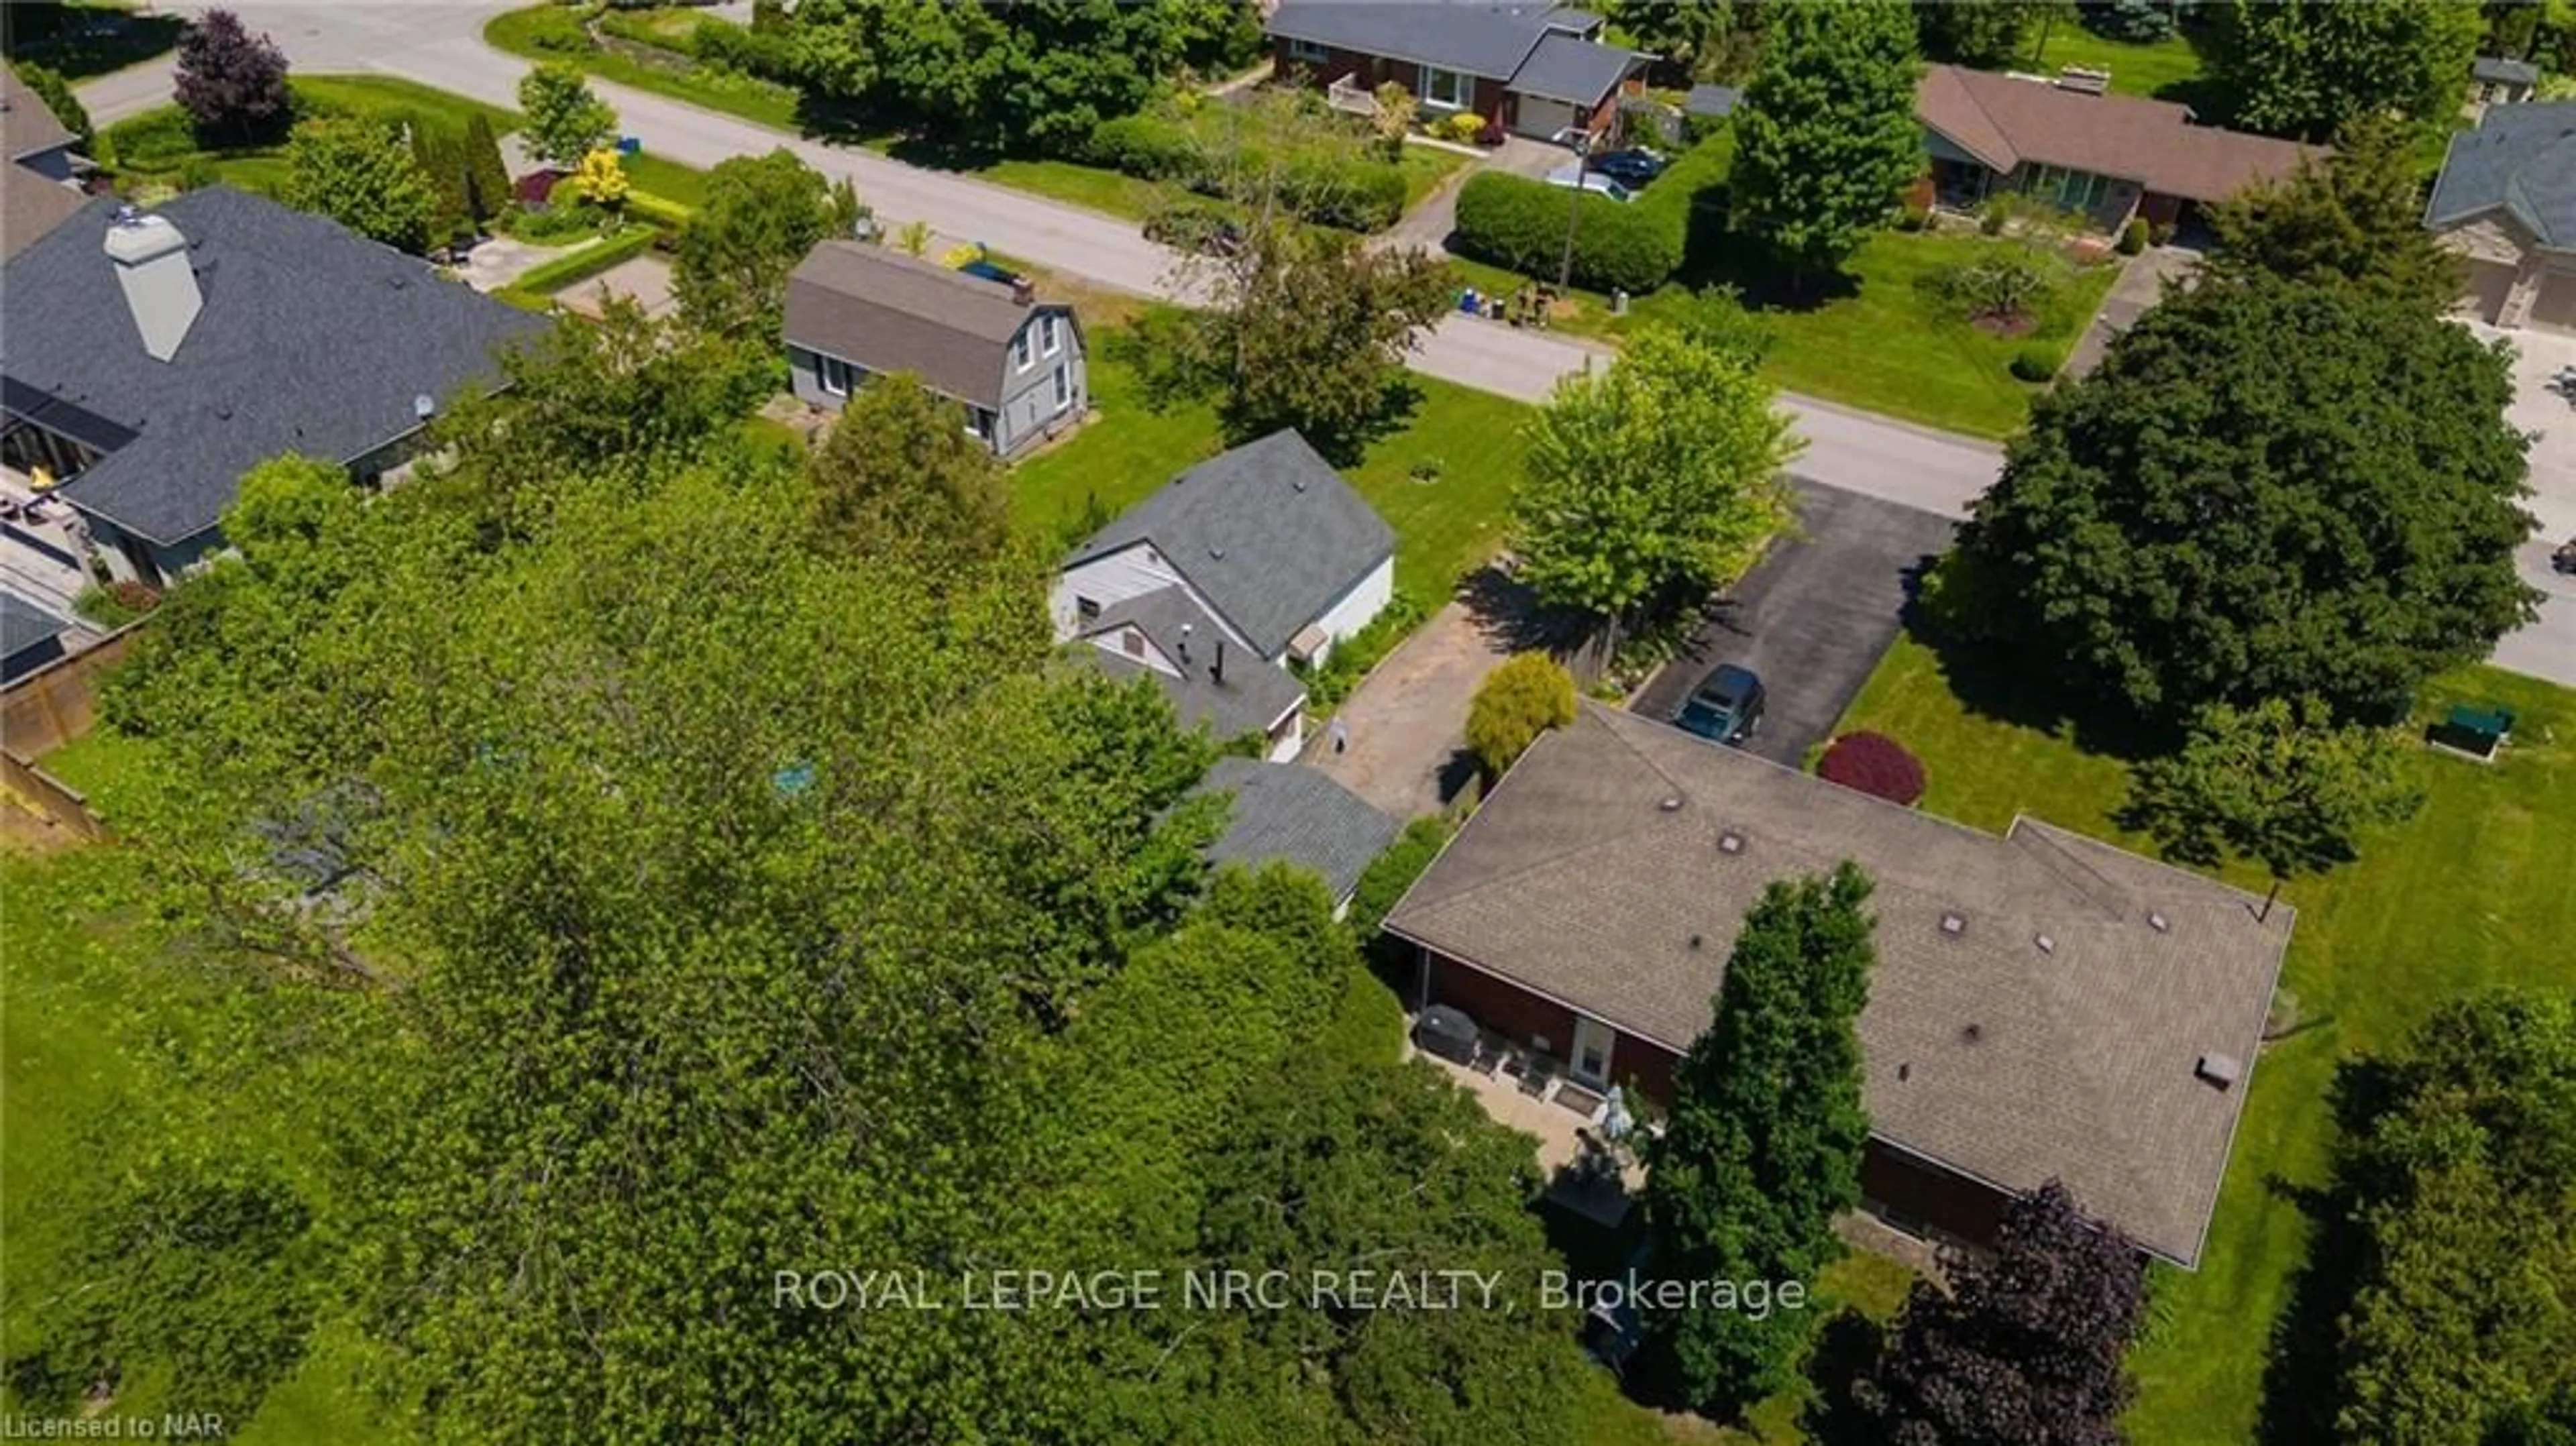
78	42
2301	1383
1512	619
1715	256
2003	681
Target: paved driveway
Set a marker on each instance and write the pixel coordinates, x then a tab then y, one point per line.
2141	285
2547	648
1813	616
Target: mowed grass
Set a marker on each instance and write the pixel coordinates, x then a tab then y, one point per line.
1882	341
763	102
1444	527
2474	892
2168	69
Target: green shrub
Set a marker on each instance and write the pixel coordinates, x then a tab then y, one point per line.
113	605
1463	127
1355	195
1352	657
557	29
1518	223
156	140
2133	237
1147	146
586	263
2034	363
769	55
1391	873
563	221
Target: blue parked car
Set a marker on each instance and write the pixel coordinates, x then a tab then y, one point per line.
1593	181
1631	168
1726	707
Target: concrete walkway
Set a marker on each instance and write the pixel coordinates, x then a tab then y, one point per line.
2141	285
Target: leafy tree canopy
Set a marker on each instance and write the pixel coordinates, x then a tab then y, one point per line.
1038	75
565	121
1656	476
1826	137
2214	516
229	81
1987	34
899	472
2307	68
359	172
761	215
2023	1349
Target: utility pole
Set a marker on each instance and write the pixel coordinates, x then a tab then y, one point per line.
1573	212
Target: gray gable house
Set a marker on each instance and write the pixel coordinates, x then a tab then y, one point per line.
2044	1005
1290	813
1532	69
1251	560
1014	362
152	359
2506	203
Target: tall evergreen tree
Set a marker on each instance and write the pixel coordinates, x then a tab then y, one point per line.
1826	138
487	179
1764	1143
2354	218
2023	1349
441	160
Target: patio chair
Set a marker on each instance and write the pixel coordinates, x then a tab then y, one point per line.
1491	1051
1538	1076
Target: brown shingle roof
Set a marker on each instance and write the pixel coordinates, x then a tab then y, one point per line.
1998	1058
32	205
26	124
890	312
2005	120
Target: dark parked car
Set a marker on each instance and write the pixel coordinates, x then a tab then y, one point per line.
1726	706
1631	168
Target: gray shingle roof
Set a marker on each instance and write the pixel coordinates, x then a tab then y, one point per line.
1712	100
890	312
1253	695
1474	36
1268	533
312	340
2522	158
1292	812
2510	72
1567	69
1576	880
24	625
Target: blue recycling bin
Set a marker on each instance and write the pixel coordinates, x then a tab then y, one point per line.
1467	300
630	146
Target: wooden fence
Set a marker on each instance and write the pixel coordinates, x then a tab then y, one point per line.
57	703
67	806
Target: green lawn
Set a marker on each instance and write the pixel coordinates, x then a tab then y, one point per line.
1074	183
2472	892
1884	345
764	102
391	96
1444	528
2168	70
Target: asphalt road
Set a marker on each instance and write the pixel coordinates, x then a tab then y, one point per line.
1811	618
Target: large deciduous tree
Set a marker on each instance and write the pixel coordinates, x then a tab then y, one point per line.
1764	1143
1708	39
1035	76
1656	477
2307	68
2266	490
1310	330
359	172
761	215
230	82
2023	1349
1826	137
2458	1160
2355	217
2280	783
899	473
1988	34
565	121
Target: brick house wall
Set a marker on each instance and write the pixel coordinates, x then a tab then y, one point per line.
1368	72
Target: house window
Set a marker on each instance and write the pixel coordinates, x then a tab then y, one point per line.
1021	352
1306	52
1087	609
834	374
1134	642
1449	89
1046	329
1063	388
2071	190
979	423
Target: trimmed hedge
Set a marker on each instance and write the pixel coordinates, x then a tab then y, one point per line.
1355	195
1519	224
584	264
1874	764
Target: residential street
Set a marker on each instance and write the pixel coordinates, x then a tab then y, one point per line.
441	45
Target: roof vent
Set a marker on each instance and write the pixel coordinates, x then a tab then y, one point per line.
1217	552
1904	1070
1730	842
2159	922
2084	82
1954	925
424	406
1695	941
2046	944
1672	803
2221	1070
1971	1032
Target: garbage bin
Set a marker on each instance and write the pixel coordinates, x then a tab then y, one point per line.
1467	300
1618	302
630	145
1447	1033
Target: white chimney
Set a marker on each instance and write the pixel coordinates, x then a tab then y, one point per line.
151	258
